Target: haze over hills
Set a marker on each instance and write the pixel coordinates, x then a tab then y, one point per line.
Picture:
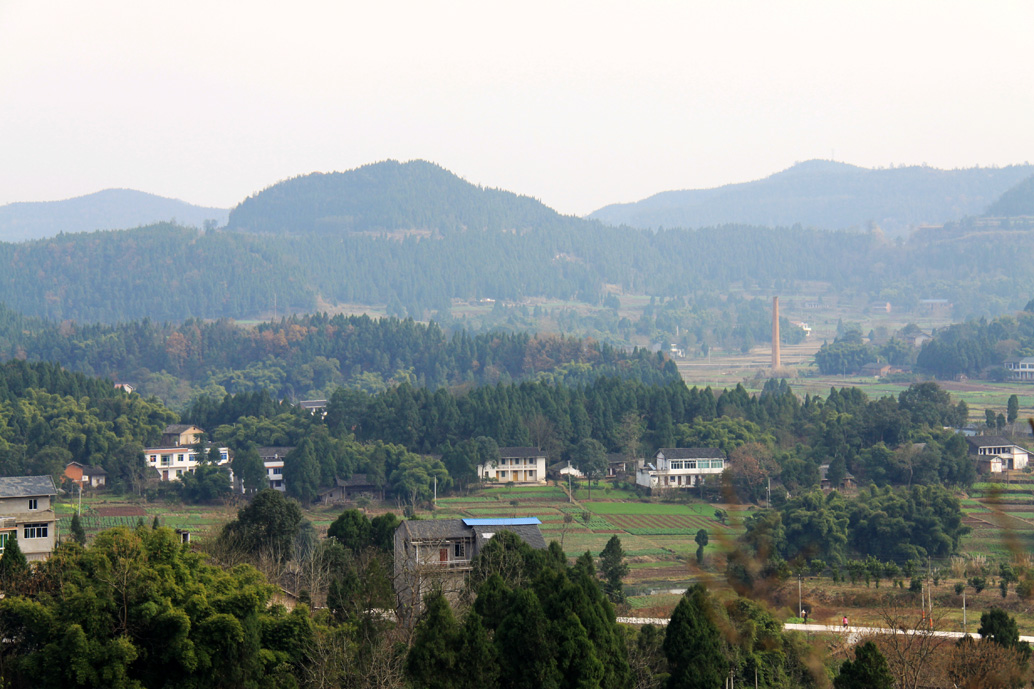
111	209
385	197
827	195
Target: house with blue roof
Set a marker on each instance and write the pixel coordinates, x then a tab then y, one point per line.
438	553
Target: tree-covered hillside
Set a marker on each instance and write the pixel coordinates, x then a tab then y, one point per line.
827	195
1016	201
309	356
388	196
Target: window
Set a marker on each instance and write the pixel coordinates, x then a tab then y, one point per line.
166	459
153	458
33	504
3	541
531	474
457	550
502	474
35	531
676	465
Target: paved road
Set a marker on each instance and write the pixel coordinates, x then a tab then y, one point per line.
853	633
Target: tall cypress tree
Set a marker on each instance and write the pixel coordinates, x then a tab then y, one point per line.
614	568
432	659
693	644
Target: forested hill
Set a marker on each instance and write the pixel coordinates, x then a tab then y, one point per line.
828	195
169	273
111	209
310	356
1016	201
385	197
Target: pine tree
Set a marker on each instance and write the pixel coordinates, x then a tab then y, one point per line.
432	660
869	670
78	533
1013	408
693	644
614	569
13	565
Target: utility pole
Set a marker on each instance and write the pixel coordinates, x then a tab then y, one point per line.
800	605
436	490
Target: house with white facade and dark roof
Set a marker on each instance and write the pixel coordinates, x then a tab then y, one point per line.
1021	369
681	467
517	465
25	509
984	448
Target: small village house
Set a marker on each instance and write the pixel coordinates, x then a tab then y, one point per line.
677	468
25	509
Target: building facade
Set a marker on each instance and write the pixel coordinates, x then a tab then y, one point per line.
26	510
172	462
677	468
517	465
984	447
437	554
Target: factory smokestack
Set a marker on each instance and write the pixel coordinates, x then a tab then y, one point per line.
776	363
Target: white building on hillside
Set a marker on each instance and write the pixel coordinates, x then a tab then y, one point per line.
680	467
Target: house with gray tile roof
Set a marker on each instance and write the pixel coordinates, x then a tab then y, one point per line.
438	553
26	510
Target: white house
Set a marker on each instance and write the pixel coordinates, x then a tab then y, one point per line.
680	467
516	464
25	510
173	462
1021	369
273	461
983	447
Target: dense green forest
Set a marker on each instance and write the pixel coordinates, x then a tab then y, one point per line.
389	435
310	356
49	417
979	347
168	273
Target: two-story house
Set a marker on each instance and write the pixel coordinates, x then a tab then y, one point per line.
173	462
437	554
984	448
517	465
25	509
273	461
681	467
1021	369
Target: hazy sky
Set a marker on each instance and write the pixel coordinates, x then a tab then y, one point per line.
579	104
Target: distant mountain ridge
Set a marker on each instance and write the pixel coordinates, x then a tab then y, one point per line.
827	195
111	209
385	197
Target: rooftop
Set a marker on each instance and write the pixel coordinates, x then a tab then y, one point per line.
691	453
508	452
26	486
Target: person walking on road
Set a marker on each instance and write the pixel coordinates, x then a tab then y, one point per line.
845	621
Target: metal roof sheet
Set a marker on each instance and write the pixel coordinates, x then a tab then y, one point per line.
517	521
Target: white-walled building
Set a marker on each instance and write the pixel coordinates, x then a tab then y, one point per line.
681	467
983	447
516	464
25	510
273	461
173	462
